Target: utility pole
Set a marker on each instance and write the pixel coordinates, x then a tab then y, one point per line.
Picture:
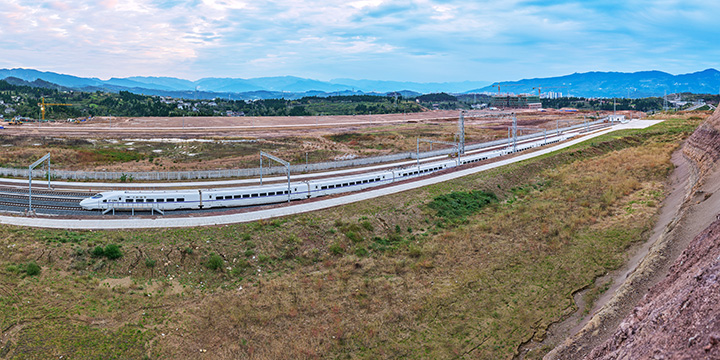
30	169
461	130
285	163
514	132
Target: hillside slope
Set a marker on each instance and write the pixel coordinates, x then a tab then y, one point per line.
679	317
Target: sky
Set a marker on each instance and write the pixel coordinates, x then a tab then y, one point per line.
410	40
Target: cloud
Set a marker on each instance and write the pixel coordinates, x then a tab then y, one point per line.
419	40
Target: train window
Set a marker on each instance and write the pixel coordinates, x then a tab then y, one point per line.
345	184
181	199
150	200
237	196
246	195
160	200
254	195
272	193
263	194
323	187
128	200
104	201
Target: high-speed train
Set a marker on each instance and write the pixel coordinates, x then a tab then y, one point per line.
279	192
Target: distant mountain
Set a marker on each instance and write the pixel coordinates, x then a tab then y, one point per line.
615	84
591	84
281	84
38	83
59	79
424	88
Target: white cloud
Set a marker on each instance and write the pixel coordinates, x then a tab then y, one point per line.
362	38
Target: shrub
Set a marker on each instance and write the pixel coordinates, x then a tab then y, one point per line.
214	262
367	225
459	204
335	249
112	252
361	251
353	236
97	251
415	251
32	269
150	263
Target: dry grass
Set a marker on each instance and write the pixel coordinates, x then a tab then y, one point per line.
375	279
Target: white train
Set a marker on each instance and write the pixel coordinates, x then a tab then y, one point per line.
278	193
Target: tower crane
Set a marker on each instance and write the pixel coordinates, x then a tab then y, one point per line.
504	85
42	106
539	88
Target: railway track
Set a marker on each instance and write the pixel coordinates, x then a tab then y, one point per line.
68	201
41	206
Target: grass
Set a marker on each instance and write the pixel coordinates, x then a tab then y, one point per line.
374	279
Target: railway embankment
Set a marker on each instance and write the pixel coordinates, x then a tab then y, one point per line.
666	307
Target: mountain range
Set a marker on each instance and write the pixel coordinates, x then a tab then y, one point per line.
591	84
615	84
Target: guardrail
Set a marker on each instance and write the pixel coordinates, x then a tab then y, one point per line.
252	172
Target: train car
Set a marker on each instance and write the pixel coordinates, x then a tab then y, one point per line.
277	193
255	195
322	187
139	200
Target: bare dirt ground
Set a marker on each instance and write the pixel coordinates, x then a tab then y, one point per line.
195	143
269	126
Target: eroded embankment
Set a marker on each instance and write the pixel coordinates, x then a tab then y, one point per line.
698	211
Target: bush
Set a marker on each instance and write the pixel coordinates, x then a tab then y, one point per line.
335	249
353	236
32	269
361	251
459	204
112	252
97	251
150	263
367	225
215	262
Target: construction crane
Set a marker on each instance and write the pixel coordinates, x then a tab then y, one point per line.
504	85
42	106
539	88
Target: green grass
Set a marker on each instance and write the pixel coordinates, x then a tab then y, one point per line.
460	204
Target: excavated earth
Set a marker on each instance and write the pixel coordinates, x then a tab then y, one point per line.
669	306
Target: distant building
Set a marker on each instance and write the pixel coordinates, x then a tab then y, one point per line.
515	101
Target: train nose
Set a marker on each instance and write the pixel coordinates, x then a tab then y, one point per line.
86	204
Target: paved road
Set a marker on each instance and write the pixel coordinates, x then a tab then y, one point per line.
163	222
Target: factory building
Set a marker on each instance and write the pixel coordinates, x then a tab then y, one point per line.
516	101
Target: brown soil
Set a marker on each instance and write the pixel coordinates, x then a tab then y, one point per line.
269	126
659	287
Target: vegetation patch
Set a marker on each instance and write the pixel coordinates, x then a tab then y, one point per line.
460	204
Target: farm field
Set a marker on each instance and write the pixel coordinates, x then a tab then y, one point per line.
474	267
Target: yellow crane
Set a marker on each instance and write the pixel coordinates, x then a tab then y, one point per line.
42	106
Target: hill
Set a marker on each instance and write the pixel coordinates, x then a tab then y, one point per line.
616	84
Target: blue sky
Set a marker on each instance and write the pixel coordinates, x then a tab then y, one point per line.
411	40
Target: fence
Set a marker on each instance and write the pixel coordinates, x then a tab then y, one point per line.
253	172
